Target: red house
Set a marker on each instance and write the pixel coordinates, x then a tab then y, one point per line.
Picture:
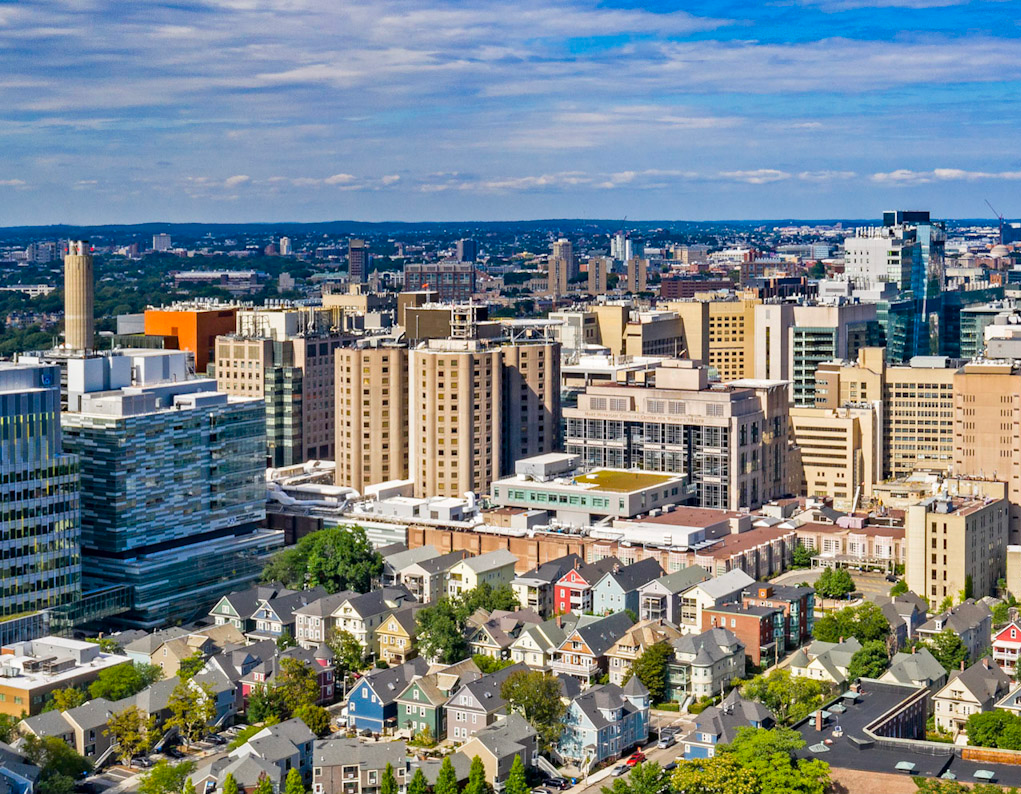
573	591
1006	644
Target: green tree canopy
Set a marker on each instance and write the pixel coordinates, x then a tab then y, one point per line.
721	774
316	718
63	699
59	765
900	588
294	784
133	731
803	556
419	785
388	785
870	662
8	728
517	782
446	780
948	649
645	778
348	654
996	728
191	666
536	697
441	627
230	785
864	622
165	777
789	697
834	583
192	707
487	664
477	779
335	558
769	755
264	786
124	680
297	684
651	669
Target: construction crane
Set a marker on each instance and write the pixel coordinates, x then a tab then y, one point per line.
999	217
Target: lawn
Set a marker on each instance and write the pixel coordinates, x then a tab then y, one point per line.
621	481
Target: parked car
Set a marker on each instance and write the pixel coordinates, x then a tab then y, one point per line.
173	752
666	740
637	758
670	767
557	782
216	739
619	770
141	763
541	791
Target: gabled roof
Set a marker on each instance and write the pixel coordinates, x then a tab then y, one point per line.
504	627
405	617
490	561
732	581
377	602
439	685
962	618
48	723
685	578
600	635
592	572
346	752
506	737
245	602
909	668
984	680
734	712
486	690
388	684
324	607
284	606
442	563
551	572
150	642
631	577
599	699
402	559
707	648
91	715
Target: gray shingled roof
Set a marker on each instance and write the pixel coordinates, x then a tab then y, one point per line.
600	635
633	576
679	581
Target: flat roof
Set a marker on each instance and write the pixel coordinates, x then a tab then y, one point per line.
736	543
617	481
689	517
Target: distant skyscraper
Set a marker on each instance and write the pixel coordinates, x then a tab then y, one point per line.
39	514
562	249
452	281
598	268
79	312
637	274
467	250
357	260
161	242
285	246
621	248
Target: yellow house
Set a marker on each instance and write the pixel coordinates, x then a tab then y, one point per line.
496	568
396	637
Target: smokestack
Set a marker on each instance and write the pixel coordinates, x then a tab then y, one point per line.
79	296
818	719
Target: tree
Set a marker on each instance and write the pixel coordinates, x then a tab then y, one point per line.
536	696
718	775
189	787
834	583
265	705
59	765
424	738
165	777
63	699
769	755
133	731
388	783
446	780
803	556
316	718
124	680
996	728
485	597
487	664
870	661
645	778
265	785
476	779
294	784
651	669
789	697
247	733
8	728
347	651
517	781
900	588
948	648
191	666
864	622
230	785
418	784
192	708
1001	614
285	641
297	684
335	558
440	633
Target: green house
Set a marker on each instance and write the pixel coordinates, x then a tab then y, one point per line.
421	704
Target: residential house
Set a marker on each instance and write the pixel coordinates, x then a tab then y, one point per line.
140	650
427	580
617	590
239	608
18	775
918	668
477	704
372	702
704	664
534	589
50	723
205	642
246	770
573	591
494	637
1006	644
719	725
497	746
967	692
905	613
537	643
88	723
723	589
604	722
421	705
495	568
797	604
395	636
264	673
350	766
971	621
660	599
825	661
313	623
762	630
582	654
1012	702
274	617
360	615
237	665
287	745
394	564
635	641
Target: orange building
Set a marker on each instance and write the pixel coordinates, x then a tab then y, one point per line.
195	325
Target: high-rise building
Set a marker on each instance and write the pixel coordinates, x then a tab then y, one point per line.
637	275
79	297
907	251
598	269
285	246
192	326
558	276
467	250
285	356
530	417
731	442
357	260
161	242
562	249
371	415
173	490
621	247
39	511
731	332
453	282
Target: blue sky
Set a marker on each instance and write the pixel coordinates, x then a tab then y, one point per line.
249	110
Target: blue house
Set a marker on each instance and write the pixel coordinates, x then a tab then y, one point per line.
617	590
603	722
720	724
372	702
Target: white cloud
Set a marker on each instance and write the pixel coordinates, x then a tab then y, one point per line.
12	182
340	179
238	179
391	179
825	176
760	176
904	176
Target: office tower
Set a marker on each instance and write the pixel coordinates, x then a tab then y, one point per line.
955	545
285	246
906	251
530	402
917	406
161	242
621	247
357	260
455	395
39	511
467	250
192	326
173	489
987	429
285	356
453	282
731	443
598	268
975	320
731	332
79	292
838	453
825	333
371	415
637	275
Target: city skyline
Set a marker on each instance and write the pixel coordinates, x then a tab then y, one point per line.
258	111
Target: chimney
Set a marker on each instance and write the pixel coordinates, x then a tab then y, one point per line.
962	665
818	719
985	663
914	648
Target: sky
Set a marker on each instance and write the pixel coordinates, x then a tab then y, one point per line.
306	110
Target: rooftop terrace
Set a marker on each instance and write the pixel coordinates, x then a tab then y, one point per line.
616	481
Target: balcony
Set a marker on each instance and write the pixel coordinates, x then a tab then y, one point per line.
584	667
